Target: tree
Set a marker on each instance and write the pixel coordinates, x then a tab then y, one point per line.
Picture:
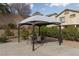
22	9
4	8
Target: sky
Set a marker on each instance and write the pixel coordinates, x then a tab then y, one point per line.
50	8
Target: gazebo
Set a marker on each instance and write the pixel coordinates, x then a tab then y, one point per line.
39	20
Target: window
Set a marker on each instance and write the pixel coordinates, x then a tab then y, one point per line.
72	15
66	12
62	19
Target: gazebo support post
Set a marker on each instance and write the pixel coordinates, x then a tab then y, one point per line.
60	35
39	30
18	33
33	38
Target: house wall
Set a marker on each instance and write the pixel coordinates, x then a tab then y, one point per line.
68	19
53	17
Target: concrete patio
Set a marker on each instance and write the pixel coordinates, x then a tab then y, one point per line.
68	48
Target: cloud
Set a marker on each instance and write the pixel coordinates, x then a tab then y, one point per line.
57	4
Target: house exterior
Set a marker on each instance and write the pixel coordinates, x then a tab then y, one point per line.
53	16
68	17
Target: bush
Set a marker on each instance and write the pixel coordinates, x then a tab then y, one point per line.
3	39
8	32
70	33
24	33
43	30
12	26
53	32
50	32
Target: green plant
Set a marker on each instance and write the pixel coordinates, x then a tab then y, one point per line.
4	8
50	32
70	33
24	33
3	39
53	32
11	26
8	32
43	31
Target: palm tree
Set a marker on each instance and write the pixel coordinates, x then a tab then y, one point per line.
4	8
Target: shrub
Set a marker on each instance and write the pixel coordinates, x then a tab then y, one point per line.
70	33
24	33
43	30
53	32
3	39
8	32
11	26
50	32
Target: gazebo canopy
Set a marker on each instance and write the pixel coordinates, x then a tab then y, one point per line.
39	20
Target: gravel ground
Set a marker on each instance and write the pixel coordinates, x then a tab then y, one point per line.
68	48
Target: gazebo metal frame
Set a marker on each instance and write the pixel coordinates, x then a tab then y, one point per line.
39	24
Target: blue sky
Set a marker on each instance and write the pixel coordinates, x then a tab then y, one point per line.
49	8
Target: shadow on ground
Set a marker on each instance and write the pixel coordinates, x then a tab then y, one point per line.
46	40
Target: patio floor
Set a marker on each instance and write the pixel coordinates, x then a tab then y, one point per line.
68	48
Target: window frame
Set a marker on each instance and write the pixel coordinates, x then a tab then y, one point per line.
72	15
62	19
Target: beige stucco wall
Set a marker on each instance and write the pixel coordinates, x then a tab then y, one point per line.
53	17
68	20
